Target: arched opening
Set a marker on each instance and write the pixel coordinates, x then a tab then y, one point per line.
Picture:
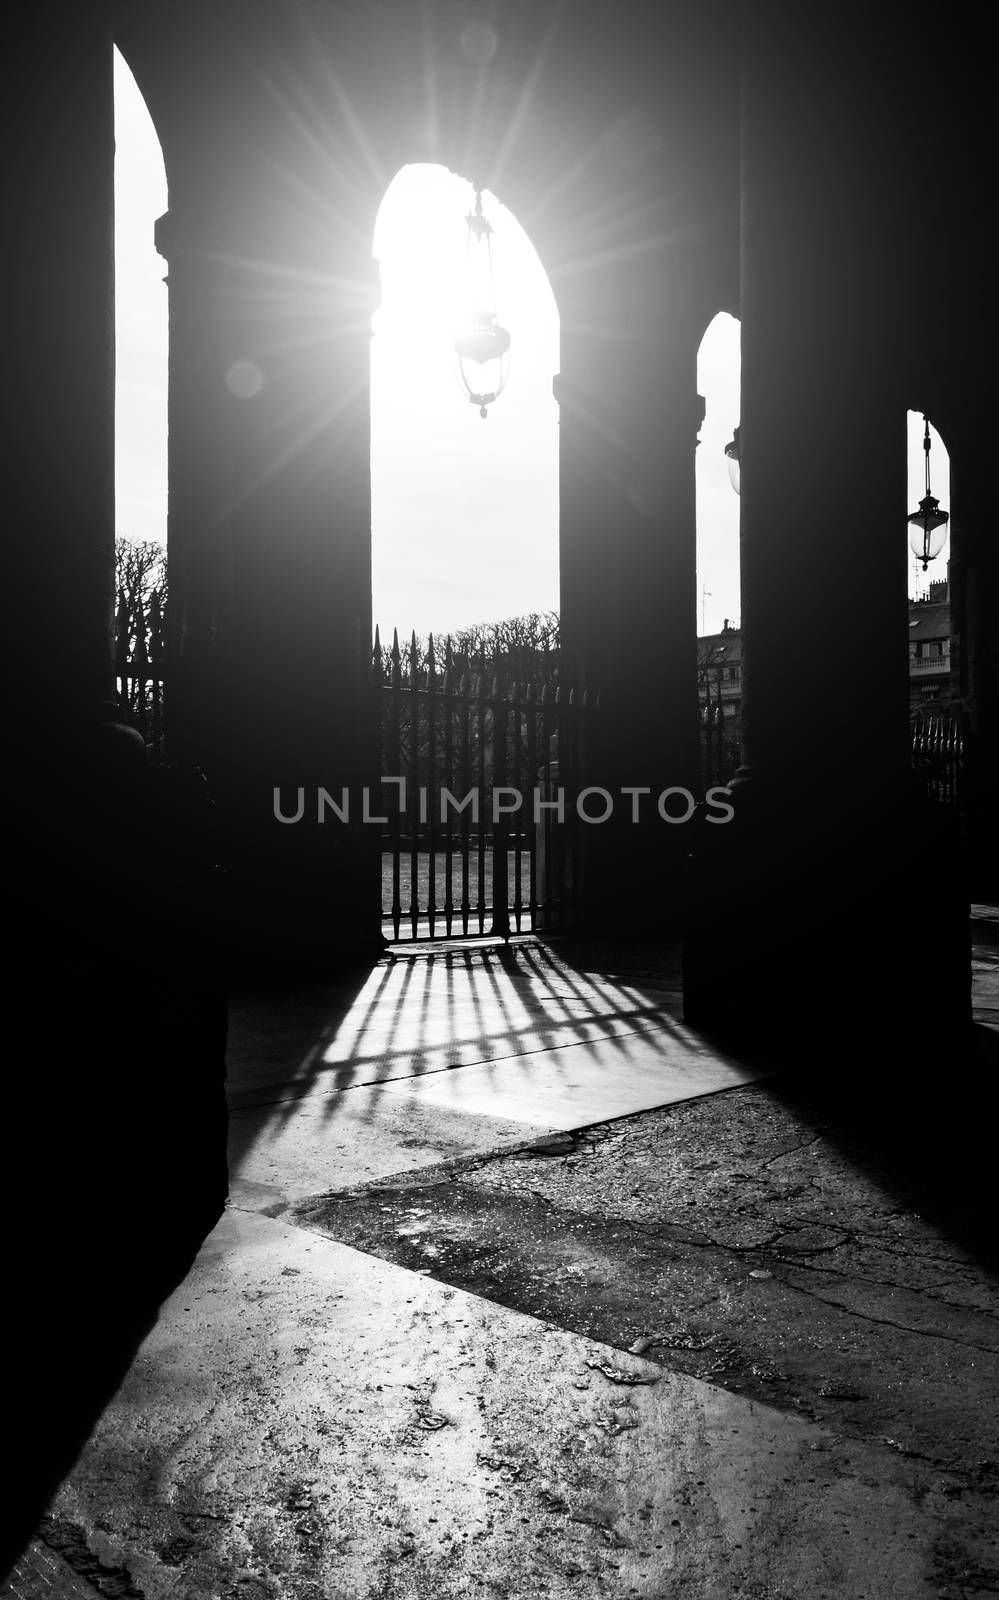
464	567
920	577
719	640
140	197
937	738
464	510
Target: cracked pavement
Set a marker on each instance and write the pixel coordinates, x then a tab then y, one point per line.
722	1238
457	1335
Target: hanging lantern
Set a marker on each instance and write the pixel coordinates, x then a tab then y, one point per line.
481	345
732	457
928	525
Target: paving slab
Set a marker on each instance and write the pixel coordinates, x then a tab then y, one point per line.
293	1148
286	1151
426	1012
305	1422
573	1085
733	1239
435	1056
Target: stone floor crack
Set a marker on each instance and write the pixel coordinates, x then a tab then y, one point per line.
885	1322
805	1144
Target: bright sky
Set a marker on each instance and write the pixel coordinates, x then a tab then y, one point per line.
717	502
464	510
140	318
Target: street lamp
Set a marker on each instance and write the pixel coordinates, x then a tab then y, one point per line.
732	457
480	341
928	525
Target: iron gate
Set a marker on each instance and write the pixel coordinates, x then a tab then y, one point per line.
481	761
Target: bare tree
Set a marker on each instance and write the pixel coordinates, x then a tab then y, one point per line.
538	631
141	583
140	575
529	642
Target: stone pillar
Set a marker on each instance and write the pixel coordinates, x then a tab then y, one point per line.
58	391
270	581
629	415
975	614
804	908
119	1030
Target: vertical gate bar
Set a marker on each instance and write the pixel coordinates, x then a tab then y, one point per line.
395	747
141	662
532	826
465	712
947	759
572	824
959	776
518	784
586	715
501	826
448	842
414	787
565	705
551	919
156	667
432	786
483	813
121	651
556	829
379	701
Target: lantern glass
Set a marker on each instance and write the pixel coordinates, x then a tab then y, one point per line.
928	530
482	363
480	343
732	462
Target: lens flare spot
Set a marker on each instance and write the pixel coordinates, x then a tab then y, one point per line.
244	379
479	42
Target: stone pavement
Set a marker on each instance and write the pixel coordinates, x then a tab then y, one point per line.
308	1420
335	1087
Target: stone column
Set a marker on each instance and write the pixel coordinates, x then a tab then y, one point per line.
805	901
58	391
975	614
118	1032
270	556
629	415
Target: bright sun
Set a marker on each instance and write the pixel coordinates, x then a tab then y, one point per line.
464	510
